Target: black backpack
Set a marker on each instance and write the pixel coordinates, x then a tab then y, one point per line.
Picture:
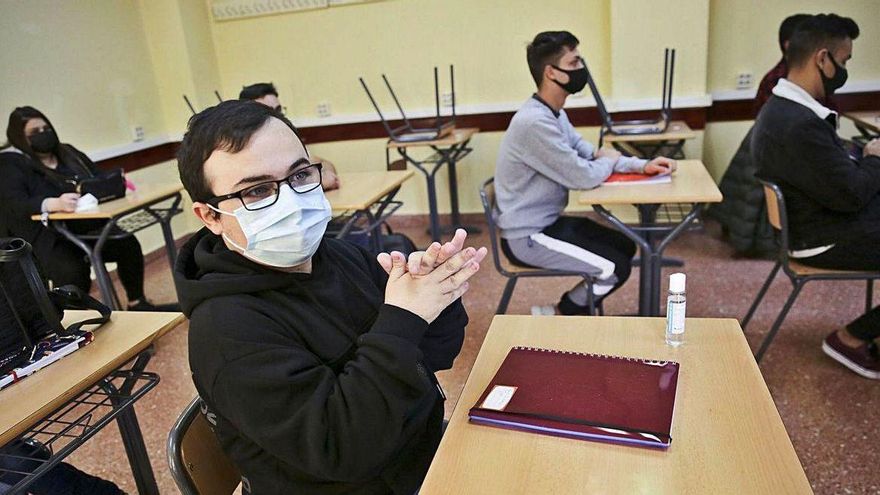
29	311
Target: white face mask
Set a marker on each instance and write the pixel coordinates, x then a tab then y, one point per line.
285	234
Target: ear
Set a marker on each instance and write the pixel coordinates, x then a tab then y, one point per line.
548	73
209	217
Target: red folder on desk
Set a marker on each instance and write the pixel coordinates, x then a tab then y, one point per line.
633	179
585	396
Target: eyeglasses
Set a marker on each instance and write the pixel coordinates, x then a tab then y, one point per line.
265	194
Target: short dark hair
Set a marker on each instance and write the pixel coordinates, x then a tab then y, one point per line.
786	29
257	91
546	49
818	32
228	126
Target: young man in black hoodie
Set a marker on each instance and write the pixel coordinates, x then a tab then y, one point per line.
316	360
832	200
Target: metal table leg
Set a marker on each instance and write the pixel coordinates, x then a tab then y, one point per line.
430	179
165	223
130	431
452	155
650	261
105	285
445	156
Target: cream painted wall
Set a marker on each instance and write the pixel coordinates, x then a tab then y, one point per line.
640	30
183	55
743	37
84	64
317	56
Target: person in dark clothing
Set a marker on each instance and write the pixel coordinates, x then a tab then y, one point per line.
780	70
742	213
832	200
38	176
315	360
266	94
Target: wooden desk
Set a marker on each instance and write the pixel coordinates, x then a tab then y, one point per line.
28	404
136	211
650	145
448	150
868	123
361	190
368	196
727	434
691	184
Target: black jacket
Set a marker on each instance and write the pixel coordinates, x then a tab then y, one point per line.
830	198
742	211
318	387
24	184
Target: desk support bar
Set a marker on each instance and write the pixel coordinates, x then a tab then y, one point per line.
650	262
74	423
442	156
112	230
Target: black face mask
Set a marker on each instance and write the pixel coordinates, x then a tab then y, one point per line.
44	142
577	79
832	84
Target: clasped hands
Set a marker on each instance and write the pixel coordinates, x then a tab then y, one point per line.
428	281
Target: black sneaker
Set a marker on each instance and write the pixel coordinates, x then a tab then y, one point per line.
145	305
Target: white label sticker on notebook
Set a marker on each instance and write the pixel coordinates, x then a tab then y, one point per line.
498	398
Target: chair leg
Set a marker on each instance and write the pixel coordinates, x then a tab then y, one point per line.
591	297
505	296
779	319
869	296
761	294
599	309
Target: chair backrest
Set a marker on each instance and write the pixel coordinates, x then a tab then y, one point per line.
487	196
776	214
197	462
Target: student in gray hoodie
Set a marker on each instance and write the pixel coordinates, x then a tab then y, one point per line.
541	158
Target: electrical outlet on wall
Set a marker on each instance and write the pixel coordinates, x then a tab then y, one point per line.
446	99
744	80
324	109
137	133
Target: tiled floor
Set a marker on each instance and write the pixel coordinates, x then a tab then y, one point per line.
832	415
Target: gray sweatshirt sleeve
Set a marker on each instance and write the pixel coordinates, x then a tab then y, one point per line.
558	156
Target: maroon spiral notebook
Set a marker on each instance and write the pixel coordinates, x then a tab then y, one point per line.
585	396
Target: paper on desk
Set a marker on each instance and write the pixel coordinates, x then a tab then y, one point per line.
88	202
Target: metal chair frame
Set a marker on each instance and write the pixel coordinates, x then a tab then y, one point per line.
776	208
487	196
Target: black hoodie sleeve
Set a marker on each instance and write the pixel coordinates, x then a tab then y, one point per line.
342	427
445	335
16	187
826	172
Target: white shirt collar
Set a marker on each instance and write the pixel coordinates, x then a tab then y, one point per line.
791	91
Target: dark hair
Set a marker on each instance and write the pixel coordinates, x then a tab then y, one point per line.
18	119
257	91
229	127
818	32
786	29
546	49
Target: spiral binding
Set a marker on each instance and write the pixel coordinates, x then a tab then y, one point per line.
652	362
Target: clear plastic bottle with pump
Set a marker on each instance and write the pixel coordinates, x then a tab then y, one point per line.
675	310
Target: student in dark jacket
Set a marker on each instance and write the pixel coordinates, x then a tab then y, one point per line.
37	175
832	200
742	213
315	361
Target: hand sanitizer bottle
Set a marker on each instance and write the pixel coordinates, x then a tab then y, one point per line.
675	310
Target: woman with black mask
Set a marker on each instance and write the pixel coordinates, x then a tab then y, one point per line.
36	176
